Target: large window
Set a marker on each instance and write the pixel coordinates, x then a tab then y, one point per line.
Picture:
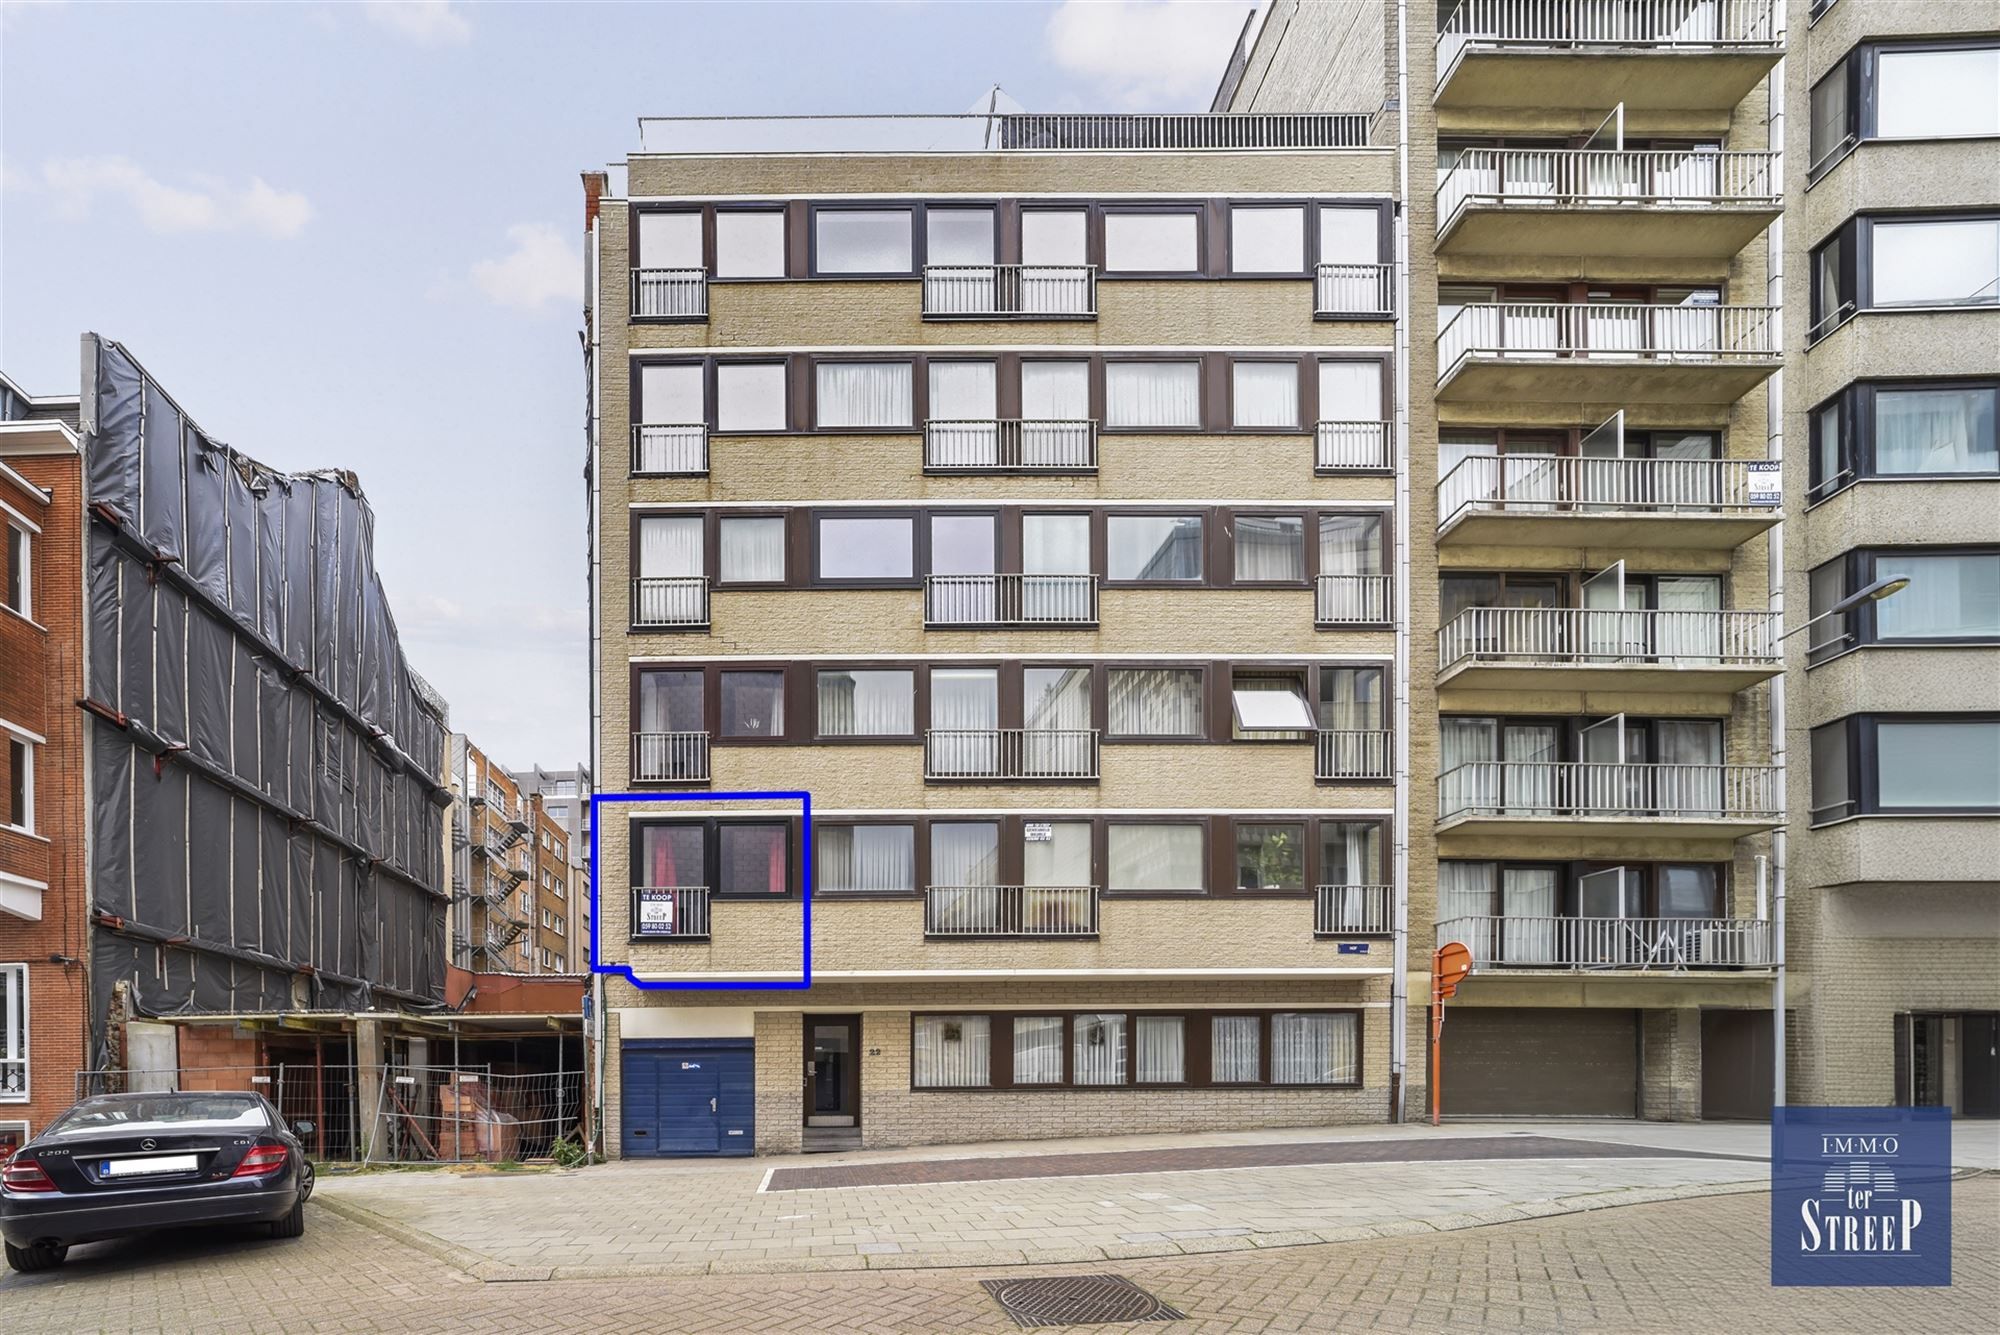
865	859
1264	395
1349	235
1152	242
1270	856
867	702
1133	1049
1153	548
1915	261
1155	858
13	1035
750	396
749	243
752	549
862	241
951	1052
864	395
732	857
670	239
1905	429
18	590
1267	239
1350	392
752	704
1160	395
1916	764
1270	549
866	549
1952	597
1928	90
958	235
1155	702
751	860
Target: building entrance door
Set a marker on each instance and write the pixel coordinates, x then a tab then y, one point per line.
833	1070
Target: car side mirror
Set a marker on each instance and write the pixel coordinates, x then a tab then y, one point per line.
302	1128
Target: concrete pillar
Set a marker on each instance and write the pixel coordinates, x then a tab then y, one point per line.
368	1078
1670	1065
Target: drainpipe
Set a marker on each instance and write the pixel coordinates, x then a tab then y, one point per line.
594	291
1399	981
1775	450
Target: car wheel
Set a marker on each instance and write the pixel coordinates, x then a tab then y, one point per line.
311	1181
36	1256
293	1225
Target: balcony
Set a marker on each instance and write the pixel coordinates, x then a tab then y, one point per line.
670	294
1587	55
677	449
676	602
1584	649
1043	601
1608	352
670	757
1352	447
1010	292
1010	446
1351	600
670	913
1053	911
1578	945
1538	500
1354	291
1034	754
1353	753
1539	798
1354	910
1557	204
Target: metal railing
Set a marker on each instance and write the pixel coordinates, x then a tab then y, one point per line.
1010	753
1184	131
669	600
669	449
1565	635
1010	291
1354	910
669	757
1543	483
1010	910
1343	446
1595	178
1579	944
1593	788
676	294
1010	600
1660	24
975	132
1355	289
1609	332
1010	445
1353	753
1343	600
669	913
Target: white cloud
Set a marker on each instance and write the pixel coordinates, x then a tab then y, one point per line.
206	204
1151	54
542	267
425	22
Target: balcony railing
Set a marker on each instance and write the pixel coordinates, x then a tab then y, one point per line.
1546	178
1010	292
670	757
1010	446
676	449
1661	24
1564	635
1351	600
974	132
1010	600
670	913
671	600
1342	447
1010	910
1610	332
1537	483
1355	289
1010	753
1354	910
1580	944
1353	753
670	294
1592	789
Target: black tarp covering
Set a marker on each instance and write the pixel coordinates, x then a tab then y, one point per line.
264	761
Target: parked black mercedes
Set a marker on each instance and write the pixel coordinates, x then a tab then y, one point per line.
119	1164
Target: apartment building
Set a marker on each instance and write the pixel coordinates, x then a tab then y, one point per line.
565	796
1023	487
550	871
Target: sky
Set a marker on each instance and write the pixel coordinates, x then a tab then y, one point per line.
349	235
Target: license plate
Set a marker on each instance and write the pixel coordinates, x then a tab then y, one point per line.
165	1163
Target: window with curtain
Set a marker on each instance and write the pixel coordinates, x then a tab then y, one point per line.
750	860
1264	394
1053	237
1270	856
1062	859
1941	430
867	702
1833	795
867	547
1235	1049
669	857
1351	392
1466	890
865	859
1350	852
864	394
951	1052
965	853
670	240
1950	596
752	550
1152	242
1267	239
1315	1048
963	392
671	563
1949	764
1527	911
1269	706
1692	891
1055	544
749	396
1153	547
1098	1049
1350	545
1159	1050
671	394
1163	857
1954	262
1351	236
862	241
1829	126
965	721
1937	93
958	236
1055	391
752	704
1154	702
1350	699
964	545
1038	1049
1270	549
670	701
749	243
1162	395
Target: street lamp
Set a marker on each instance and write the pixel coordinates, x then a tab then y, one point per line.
1867	593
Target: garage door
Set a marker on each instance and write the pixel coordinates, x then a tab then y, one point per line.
1503	1062
687	1097
1736	1065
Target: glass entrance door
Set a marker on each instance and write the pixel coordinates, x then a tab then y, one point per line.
833	1070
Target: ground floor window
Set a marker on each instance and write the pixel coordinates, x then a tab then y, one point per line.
13	1031
1123	1050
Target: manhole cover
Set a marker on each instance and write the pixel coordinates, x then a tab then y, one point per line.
1075	1300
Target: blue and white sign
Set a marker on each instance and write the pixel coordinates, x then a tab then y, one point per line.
1860	1197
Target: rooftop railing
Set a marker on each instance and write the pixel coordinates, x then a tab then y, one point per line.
1005	132
1010	910
1582	944
1557	485
1610	332
1654	24
1561	636
1587	178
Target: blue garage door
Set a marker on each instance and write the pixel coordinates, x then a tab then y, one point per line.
687	1097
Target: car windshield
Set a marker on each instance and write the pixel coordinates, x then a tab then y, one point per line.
163	1111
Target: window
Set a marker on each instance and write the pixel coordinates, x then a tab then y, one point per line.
1350	236
862	241
1930	94
1269	706
1271	857
1152	394
1264	394
951	1052
1350	392
1098	1049
963	391
1350	544
958	236
1055	237
1155	702
752	549
20	784
1315	1049
753	704
1917	764
751	860
562	965
749	243
13	1034
1149	548
1350	699
866	548
1155	858
1950	596
1236	1049
864	395
1955	262
750	396
1829	130
1350	852
670	240
865	859
1159	1050
20	556
1122	1049
1270	549
1038	1049
867	702
1158	242
1267	240
1906	429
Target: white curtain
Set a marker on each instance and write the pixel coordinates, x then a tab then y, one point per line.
1947	596
877	702
1099	1045
1270	547
670	240
1055	391
1160	1049
1267	240
750	396
1529	782
1528	908
1350	852
874	859
1154	857
1464	743
1154	702
1935	431
670	394
1152	394
1057	548
670	551
864	394
965	853
1056	714
1350	545
752	550
1266	394
1038	1049
963	392
1349	235
1063	859
965	712
749	243
953	1052
1351	392
1052	236
1350	699
1690	624
1151	242
1466	890
1313	1049
1233	1050
1697	745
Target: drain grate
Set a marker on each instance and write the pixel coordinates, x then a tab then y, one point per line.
1076	1300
